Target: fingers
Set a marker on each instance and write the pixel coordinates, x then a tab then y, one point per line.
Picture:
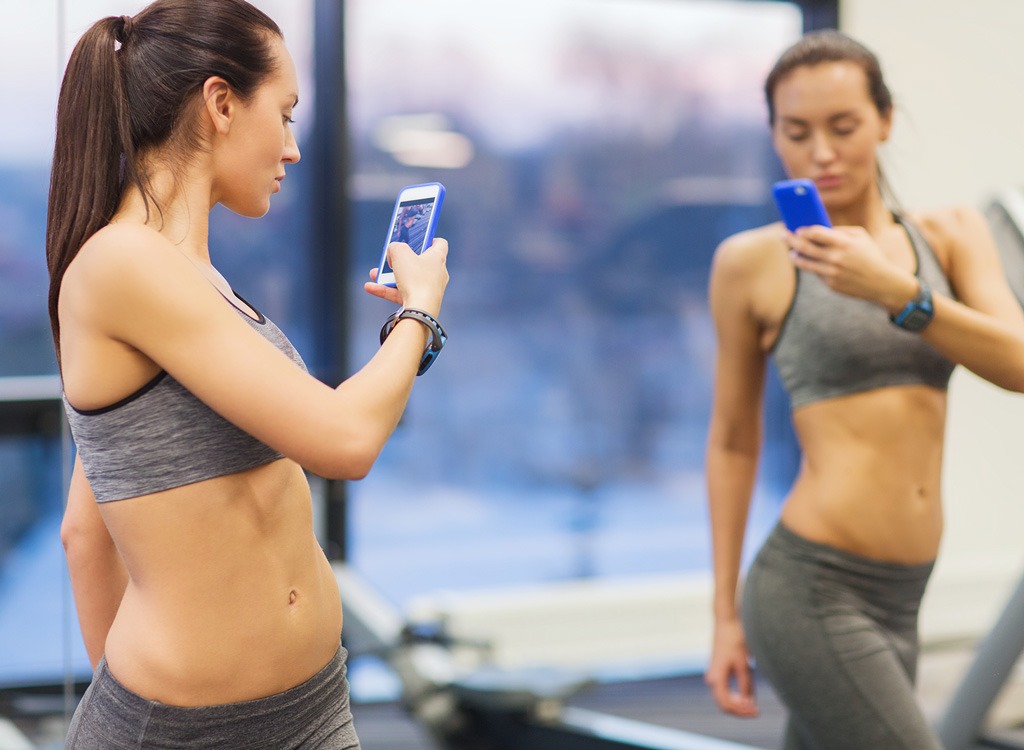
396	250
438	247
743	702
719	687
739	702
823	260
384	292
805	244
820	266
817	234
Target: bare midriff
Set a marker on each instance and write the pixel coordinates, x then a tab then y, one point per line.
870	478
230	596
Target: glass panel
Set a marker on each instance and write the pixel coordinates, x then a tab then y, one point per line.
32	573
594	154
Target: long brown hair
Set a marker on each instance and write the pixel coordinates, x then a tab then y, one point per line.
132	85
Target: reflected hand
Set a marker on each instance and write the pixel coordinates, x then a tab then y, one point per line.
849	261
730	664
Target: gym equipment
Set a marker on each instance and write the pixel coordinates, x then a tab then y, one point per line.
467	706
961	724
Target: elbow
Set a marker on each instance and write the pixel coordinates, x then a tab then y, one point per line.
352	463
342	448
67	537
1015	383
358	460
1010	377
351	471
735	439
355	468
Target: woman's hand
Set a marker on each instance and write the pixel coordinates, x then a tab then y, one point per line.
730	665
421	278
850	262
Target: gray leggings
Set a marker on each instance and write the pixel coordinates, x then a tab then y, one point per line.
312	715
836	635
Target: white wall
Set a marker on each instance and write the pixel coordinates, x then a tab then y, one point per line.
956	68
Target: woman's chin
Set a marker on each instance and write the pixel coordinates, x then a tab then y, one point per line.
250	210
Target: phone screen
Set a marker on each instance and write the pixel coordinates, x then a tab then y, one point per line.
412	219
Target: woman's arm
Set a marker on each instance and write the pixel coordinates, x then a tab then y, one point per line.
130	286
983	329
98	575
734	444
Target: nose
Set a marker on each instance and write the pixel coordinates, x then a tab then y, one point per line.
822	150
291	149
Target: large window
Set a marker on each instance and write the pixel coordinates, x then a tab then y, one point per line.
594	152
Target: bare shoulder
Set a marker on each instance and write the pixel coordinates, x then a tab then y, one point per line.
967	250
752	282
749	254
121	248
953	229
122	263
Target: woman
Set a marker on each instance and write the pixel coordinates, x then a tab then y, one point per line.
865	333
207	607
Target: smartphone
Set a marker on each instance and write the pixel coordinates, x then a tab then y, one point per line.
413	222
799	204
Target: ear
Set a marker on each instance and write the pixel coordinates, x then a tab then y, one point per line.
219	104
886	125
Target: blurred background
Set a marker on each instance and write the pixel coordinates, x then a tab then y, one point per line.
594	154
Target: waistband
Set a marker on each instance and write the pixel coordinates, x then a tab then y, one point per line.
277	714
792	544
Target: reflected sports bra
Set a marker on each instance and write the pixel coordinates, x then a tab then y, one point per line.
162	437
832	345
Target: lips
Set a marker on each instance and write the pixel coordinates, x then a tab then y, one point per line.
827	182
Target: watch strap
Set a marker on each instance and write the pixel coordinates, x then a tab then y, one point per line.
438	336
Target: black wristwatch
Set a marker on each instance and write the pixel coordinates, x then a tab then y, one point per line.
917	313
437	335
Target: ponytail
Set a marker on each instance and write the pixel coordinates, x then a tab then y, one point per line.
92	129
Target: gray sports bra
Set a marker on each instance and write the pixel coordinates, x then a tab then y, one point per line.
832	345
161	436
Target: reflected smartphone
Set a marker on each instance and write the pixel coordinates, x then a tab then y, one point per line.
413	222
799	204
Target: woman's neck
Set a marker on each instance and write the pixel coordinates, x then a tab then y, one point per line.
870	212
179	209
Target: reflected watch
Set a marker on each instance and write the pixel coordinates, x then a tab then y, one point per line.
917	313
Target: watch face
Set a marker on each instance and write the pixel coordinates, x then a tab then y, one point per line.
917	319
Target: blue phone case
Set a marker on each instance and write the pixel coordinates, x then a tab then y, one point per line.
431	227
799	204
